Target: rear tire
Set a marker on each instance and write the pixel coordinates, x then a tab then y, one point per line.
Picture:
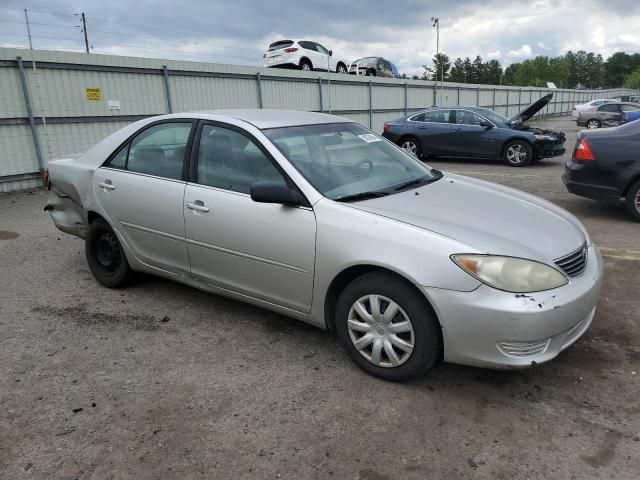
517	153
342	68
632	200
593	123
305	65
411	145
396	345
105	255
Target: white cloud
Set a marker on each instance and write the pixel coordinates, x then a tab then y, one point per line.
523	52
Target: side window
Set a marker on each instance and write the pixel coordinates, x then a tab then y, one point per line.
437	116
465	117
307	45
321	49
160	150
418	118
229	160
387	65
609	107
630	108
119	160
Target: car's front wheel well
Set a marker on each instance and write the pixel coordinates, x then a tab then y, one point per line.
347	276
93	216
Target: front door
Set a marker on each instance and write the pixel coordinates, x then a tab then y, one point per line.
142	190
469	138
266	251
609	114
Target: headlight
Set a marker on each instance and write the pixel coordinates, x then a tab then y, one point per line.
511	274
551	138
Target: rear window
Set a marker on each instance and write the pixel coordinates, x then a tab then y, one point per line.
609	107
280	44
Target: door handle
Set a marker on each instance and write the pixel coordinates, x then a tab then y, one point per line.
198	206
457	129
107	185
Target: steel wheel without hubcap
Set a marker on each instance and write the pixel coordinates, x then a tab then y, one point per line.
410	146
516	154
108	252
342	69
593	124
306	67
381	331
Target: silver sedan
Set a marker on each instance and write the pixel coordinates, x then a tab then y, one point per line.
317	218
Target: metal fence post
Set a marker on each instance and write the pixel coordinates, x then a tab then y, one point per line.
507	103
406	101
477	97
494	99
259	87
370	105
434	94
165	72
458	101
32	121
519	99
320	92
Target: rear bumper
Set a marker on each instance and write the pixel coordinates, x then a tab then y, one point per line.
495	329
66	214
580	181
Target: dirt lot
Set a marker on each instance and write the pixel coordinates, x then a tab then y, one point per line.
164	381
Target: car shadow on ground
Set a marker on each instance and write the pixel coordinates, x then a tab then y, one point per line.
443	161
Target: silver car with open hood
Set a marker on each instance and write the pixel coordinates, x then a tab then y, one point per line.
317	218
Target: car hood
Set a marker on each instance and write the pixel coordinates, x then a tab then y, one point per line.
490	218
531	110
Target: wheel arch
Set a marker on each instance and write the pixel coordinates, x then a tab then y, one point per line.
507	141
343	64
630	183
303	60
347	275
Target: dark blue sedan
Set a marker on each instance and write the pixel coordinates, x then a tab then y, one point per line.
476	132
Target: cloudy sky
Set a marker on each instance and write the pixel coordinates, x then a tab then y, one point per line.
238	31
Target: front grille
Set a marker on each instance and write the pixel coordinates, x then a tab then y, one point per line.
574	263
523	349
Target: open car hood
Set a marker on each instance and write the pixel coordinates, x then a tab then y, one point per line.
531	110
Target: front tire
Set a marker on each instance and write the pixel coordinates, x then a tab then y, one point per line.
411	145
341	68
387	328
105	255
517	153
632	201
593	123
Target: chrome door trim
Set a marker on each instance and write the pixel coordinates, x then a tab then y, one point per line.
152	231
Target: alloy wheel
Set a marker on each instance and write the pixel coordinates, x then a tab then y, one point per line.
342	69
381	331
516	154
410	146
636	201
592	124
306	67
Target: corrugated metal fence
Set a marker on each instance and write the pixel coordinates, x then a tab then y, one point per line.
59	103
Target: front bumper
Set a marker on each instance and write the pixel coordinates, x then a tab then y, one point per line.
545	149
496	329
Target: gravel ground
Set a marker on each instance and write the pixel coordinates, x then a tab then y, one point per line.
163	381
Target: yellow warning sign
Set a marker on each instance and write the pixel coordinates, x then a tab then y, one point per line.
93	93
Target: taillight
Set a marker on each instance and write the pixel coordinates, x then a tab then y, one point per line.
290	50
47	185
386	127
583	152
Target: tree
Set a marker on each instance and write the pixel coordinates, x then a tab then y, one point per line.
468	70
493	72
477	70
632	80
441	67
457	71
510	74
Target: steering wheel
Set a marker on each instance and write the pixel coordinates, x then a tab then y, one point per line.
355	169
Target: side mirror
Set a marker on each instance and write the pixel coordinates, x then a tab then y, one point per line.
275	192
331	53
486	124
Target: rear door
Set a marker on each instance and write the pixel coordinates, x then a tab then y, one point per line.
609	114
469	138
433	130
265	251
311	52
141	187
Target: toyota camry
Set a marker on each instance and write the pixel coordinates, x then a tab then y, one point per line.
318	218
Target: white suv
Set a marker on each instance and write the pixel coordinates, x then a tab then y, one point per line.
304	55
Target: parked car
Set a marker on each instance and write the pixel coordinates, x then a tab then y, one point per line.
627	98
315	217
605	165
372	67
476	132
607	115
593	103
304	55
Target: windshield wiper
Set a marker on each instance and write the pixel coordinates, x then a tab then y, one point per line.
361	196
419	181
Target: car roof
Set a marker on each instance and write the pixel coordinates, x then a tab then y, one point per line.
266	118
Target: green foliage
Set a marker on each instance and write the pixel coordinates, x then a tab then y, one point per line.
632	80
440	69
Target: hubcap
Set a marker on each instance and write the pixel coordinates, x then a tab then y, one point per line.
305	66
592	124
516	153
381	331
410	147
637	201
108	252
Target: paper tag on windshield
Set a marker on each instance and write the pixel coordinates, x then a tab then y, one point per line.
369	137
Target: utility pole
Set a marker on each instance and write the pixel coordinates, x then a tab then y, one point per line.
436	24
84	29
26	18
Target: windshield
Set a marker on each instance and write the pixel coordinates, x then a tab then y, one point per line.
345	160
495	117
